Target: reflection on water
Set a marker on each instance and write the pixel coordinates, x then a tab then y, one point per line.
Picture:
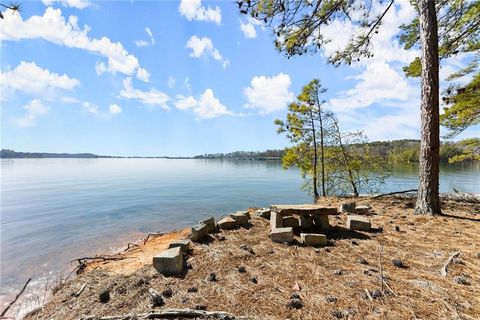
54	210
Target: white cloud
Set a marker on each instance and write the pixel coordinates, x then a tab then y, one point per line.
248	27
209	106
184	103
248	30
187	85
269	94
378	83
143	74
152	97
206	107
201	46
52	27
79	4
114	109
143	43
30	78
90	107
193	10
171	82
34	109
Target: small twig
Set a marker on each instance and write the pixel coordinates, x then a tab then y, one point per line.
81	290
391	193
381	268
16	298
389	289
130	245
368	294
153	235
444	270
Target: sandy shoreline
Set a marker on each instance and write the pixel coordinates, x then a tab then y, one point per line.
422	242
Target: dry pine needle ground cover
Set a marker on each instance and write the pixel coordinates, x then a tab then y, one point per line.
331	281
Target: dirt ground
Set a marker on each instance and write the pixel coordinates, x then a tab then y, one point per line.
331	281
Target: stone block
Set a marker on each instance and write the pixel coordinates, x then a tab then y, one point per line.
327	211
169	262
227	223
355	222
313	239
321	222
245	213
199	232
276	220
282	235
347	207
306	221
362	210
184	245
240	217
263	213
290	222
210	223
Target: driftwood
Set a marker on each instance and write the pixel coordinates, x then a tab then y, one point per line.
16	298
392	193
77	294
170	314
444	270
130	245
158	234
381	268
102	258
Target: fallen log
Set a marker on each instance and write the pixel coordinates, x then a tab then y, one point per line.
444	270
392	193
170	314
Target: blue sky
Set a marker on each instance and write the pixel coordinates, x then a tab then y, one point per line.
183	78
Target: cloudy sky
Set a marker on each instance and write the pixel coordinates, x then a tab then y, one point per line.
183	78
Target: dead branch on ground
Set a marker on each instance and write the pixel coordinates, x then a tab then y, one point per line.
16	298
392	193
158	234
444	270
170	314
80	291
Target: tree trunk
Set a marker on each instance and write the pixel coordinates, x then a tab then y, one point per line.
322	159
428	201
316	196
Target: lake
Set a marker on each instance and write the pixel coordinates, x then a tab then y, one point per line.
55	210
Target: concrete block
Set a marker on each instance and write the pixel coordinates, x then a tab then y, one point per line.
245	213
169	262
321	222
240	217
276	220
263	213
210	223
313	239
300	209
362	210
347	207
199	232
282	235
327	211
184	245
290	222
227	223
306	221
355	222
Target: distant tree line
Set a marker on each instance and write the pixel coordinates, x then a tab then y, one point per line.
400	151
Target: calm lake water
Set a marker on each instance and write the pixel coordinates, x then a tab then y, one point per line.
55	210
